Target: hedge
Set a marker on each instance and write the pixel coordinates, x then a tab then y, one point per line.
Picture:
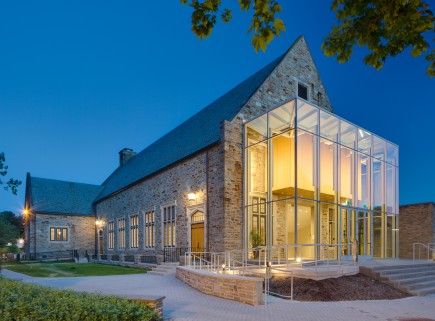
20	301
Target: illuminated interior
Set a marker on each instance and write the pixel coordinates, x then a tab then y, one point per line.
314	178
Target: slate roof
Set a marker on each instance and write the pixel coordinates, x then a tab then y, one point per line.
60	197
196	133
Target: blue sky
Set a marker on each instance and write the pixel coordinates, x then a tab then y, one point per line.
80	80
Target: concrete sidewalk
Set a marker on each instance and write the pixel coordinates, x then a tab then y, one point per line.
185	303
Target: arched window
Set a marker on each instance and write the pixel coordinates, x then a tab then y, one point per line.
197	217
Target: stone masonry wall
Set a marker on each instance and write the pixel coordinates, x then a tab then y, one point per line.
169	187
247	290
81	233
416	225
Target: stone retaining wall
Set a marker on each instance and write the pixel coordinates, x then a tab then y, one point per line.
247	290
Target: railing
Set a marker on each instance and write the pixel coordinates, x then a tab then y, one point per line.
173	254
428	250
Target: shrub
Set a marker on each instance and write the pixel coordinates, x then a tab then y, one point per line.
20	301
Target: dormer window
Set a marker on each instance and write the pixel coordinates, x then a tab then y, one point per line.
302	91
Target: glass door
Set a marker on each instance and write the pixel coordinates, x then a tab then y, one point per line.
364	232
346	231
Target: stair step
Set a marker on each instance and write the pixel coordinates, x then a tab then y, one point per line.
421	285
424	291
411	277
405	266
407	270
415	280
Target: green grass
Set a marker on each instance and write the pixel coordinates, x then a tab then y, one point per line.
56	269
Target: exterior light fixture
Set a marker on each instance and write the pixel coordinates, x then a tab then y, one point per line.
298	259
99	223
25	211
269	264
191	196
223	267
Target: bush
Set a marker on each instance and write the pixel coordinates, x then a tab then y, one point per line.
20	301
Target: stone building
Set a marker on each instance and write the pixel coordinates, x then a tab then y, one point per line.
234	176
417	226
59	218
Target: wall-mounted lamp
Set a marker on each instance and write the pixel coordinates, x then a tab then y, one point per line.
298	260
191	196
25	211
99	223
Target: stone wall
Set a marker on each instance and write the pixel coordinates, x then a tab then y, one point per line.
169	187
247	290
81	234
416	225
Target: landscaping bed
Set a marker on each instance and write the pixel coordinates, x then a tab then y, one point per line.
20	301
57	269
346	288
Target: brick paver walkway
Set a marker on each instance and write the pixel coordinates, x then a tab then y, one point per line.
185	303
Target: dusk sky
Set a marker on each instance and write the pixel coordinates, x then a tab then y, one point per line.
80	80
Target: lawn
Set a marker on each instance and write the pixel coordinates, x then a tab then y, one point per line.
57	269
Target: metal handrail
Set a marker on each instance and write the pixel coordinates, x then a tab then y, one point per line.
428	247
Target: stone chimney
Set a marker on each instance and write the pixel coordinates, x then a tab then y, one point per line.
124	155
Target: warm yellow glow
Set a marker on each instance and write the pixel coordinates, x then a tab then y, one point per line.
298	260
25	212
99	223
191	196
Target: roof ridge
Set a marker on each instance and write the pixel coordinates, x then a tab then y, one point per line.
62	181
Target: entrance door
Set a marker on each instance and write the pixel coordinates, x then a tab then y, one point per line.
197	232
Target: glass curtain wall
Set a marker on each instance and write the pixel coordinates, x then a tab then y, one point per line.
314	178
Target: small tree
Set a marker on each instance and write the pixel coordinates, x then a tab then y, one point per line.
11	184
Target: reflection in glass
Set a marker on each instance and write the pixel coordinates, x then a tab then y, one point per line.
306	227
281	119
378	235
363	183
378	194
257	171
346	177
392	154
283	165
307	117
284	224
328	230
390	188
347	134
328	165
329	125
256	130
306	156
364	141
379	147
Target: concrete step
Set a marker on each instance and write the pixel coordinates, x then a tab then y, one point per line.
424	291
421	285
405	277
414	280
400	267
397	271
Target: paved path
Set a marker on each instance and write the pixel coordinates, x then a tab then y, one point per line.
185	303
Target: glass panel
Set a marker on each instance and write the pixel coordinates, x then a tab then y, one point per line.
377	235
283	165
361	232
256	130
329	126
306	228
378	182
257	172
284	226
282	119
363	182
346	177
346	236
369	231
389	236
328	166
347	134
379	146
328	231
392	154
390	188
364	141
308	118
306	155
257	225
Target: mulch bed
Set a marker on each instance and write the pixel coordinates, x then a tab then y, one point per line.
346	288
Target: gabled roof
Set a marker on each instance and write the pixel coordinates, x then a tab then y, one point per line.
60	197
196	133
